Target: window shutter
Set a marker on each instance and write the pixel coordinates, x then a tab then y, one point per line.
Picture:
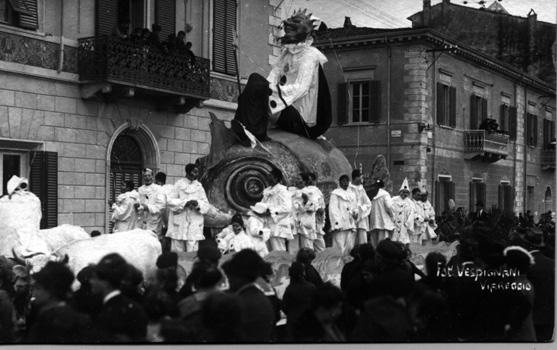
106	16
512	123
535	129
452	191
230	33
473	112
472	196
501	197
440	104
482	193
342	103
27	14
375	102
503	123
165	16
452	106
44	183
224	29
484	109
509	199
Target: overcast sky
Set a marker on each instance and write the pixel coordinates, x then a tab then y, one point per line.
393	13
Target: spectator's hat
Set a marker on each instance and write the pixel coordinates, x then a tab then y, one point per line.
15	182
391	251
112	268
169	259
56	278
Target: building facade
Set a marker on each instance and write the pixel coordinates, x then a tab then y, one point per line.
82	109
461	124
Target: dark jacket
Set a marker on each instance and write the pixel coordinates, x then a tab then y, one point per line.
297	300
542	276
60	324
258	317
122	320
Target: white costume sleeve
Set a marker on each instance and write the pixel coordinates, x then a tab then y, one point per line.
283	205
334	211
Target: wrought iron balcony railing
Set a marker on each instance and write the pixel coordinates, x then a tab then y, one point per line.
112	60
480	143
548	159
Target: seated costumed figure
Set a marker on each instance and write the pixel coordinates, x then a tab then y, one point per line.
295	96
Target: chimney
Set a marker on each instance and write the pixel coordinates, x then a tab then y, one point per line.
348	23
426	13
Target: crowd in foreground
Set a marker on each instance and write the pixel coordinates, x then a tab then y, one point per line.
490	290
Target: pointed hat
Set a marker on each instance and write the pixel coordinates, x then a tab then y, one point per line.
404	186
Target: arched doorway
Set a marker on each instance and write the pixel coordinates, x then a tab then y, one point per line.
126	162
131	148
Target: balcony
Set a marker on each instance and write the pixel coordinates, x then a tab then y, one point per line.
547	159
111	66
478	144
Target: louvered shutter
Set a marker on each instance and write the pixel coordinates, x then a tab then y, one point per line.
484	109
375	101
512	123
452	106
482	194
503	117
165	16
473	112
452	191
219	34
44	183
106	16
509	199
230	34
27	13
440	104
224	30
472	196
535	129
342	103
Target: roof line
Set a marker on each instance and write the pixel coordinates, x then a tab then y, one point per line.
433	36
481	10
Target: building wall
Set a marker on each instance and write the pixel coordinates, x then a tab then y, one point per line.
80	131
411	100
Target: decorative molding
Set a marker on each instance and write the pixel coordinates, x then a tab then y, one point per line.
358	68
224	90
30	51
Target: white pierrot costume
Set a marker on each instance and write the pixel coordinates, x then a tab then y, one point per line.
299	64
124	215
308	225
278	200
403	212
364	206
259	233
317	200
183	223
151	199
381	211
429	214
297	204
419	221
228	241
342	207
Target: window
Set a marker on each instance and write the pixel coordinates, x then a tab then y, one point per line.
19	13
444	190
507	120
224	32
12	163
478	111
531	129
530	200
359	101
477	194
506	198
446	105
548	134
